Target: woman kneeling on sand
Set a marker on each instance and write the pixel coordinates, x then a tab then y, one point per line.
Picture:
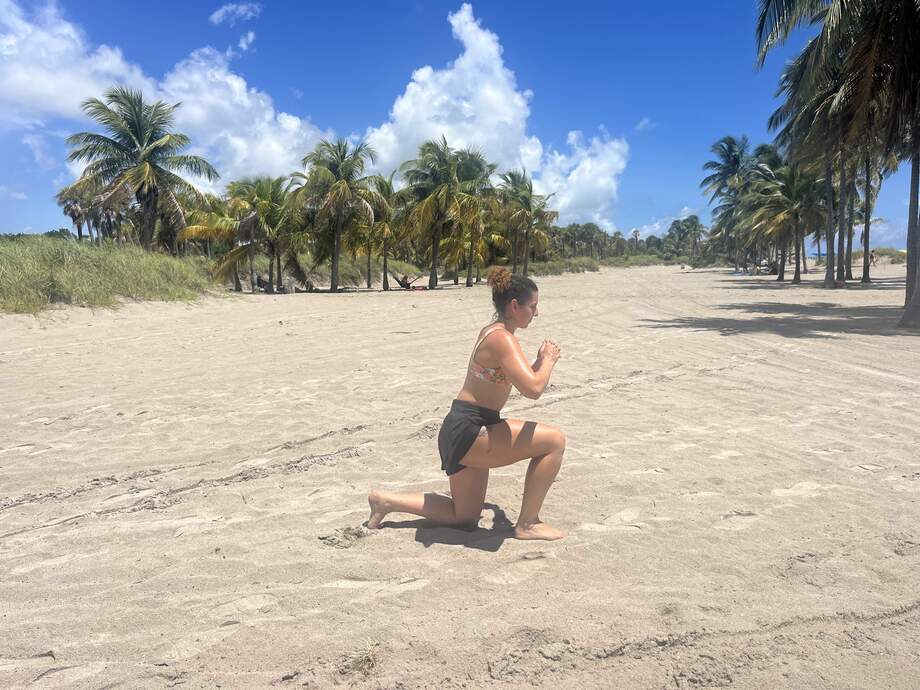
474	437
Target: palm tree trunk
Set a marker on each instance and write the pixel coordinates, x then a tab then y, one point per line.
797	277
804	259
435	256
280	286
270	288
911	317
867	219
829	203
514	250
148	204
469	258
368	265
781	269
818	245
913	245
478	274
526	250
336	249
851	221
79	231
252	271
842	220
386	278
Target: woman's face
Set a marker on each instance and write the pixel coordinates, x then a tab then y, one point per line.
525	312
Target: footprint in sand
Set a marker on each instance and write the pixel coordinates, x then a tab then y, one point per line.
802	489
625	521
373	589
520	569
737	520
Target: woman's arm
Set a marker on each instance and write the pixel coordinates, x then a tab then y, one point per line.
530	379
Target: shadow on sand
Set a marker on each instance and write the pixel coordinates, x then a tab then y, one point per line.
428	533
811	320
770	283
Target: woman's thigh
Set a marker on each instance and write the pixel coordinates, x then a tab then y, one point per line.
510	441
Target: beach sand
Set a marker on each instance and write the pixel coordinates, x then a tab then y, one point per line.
182	489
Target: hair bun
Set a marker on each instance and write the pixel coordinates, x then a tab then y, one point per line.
500	279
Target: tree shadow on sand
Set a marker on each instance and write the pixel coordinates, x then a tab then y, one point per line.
811	320
810	284
428	533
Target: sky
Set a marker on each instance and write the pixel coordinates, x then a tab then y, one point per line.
612	107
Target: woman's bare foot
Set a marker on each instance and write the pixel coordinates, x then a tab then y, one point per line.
538	530
379	509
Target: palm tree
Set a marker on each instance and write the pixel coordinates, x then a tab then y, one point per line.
439	180
139	153
338	189
386	221
71	203
727	182
220	219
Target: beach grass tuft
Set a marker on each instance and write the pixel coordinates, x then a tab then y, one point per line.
36	272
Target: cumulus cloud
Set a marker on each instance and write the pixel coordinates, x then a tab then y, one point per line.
233	124
231	12
246	40
644	124
475	101
47	68
659	226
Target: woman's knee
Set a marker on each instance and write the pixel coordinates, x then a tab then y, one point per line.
556	439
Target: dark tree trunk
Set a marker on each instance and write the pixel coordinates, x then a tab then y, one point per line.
435	256
851	221
912	240
842	221
514	251
270	287
797	277
336	250
148	203
79	231
469	260
252	270
781	270
386	278
478	275
526	251
818	245
911	317
368	265
867	220
829	202
280	285
804	260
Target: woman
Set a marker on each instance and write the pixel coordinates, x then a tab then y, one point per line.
474	438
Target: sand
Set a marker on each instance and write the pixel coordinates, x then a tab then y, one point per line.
182	489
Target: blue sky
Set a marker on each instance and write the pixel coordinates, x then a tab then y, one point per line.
611	106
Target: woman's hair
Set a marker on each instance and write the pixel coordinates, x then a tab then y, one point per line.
507	286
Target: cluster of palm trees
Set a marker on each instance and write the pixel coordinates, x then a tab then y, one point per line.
851	111
453	210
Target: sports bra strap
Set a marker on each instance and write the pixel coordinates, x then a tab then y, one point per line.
489	331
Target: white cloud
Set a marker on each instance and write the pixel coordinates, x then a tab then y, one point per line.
234	125
36	142
475	101
659	226
7	193
47	69
246	40
585	180
644	124
231	12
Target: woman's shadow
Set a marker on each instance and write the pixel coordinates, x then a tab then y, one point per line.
473	537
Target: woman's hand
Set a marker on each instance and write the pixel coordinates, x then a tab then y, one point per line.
549	351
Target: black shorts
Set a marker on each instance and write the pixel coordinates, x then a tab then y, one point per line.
459	431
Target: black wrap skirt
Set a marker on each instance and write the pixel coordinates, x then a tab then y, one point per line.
458	432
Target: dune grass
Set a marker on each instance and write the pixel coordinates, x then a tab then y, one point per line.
36	272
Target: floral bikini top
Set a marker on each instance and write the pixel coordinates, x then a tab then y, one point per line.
490	374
